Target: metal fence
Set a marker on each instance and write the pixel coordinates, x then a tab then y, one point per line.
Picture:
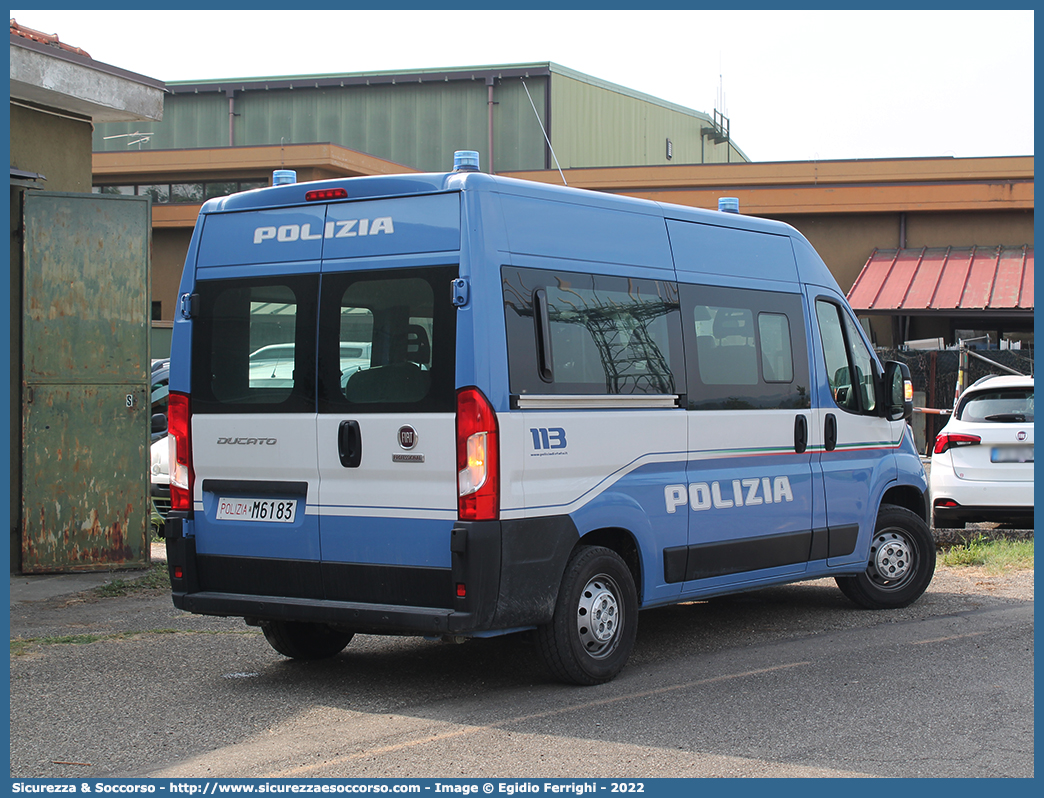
934	374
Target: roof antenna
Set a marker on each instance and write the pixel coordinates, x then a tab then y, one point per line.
143	137
564	183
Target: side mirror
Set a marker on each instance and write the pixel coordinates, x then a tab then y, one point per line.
159	422
898	391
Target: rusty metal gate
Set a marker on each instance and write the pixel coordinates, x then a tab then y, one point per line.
85	380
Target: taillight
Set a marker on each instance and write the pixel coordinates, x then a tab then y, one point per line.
478	458
946	441
181	476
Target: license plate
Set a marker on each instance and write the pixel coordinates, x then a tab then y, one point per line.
275	511
1011	454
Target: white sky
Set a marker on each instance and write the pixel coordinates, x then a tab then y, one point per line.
797	85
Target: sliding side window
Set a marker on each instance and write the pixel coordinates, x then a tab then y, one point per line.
581	334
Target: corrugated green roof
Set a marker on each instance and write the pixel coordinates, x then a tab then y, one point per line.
363	78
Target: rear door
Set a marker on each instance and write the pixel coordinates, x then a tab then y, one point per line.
385	435
253	401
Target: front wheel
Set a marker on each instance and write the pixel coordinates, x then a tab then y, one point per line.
595	622
901	564
300	640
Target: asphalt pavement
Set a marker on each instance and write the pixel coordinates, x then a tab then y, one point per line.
40	587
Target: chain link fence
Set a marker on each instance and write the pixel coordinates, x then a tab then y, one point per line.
934	374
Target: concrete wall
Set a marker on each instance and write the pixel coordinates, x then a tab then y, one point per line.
168	260
1011	228
57	147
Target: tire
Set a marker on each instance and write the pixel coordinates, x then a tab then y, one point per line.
901	564
598	585
307	641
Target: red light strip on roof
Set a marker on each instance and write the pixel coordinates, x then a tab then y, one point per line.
321	194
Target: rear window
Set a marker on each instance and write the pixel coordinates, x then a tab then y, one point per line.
1007	405
253	345
387	341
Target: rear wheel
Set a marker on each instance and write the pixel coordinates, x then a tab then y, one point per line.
592	632
305	640
901	564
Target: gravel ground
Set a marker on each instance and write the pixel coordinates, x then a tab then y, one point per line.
1010	585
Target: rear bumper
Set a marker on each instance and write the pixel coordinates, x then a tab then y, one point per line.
961	514
978	500
365	618
504	575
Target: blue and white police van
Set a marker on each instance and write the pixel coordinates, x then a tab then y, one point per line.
460	405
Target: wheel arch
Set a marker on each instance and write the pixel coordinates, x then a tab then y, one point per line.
909	497
623	542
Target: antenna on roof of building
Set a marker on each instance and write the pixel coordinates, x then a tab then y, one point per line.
138	141
719	129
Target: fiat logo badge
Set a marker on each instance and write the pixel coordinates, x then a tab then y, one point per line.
407	437
1021	435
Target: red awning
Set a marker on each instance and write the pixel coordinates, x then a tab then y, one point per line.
910	281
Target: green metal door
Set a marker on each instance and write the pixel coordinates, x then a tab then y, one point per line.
85	381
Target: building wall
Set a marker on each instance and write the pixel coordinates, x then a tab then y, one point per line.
422	118
417	125
55	146
597	126
1012	228
169	247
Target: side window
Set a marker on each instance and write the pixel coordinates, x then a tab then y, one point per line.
849	365
591	334
777	358
725	345
387	341
746	349
253	345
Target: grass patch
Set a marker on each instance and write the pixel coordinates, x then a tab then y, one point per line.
157	578
996	556
21	645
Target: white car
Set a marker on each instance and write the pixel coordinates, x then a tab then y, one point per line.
272	366
159	476
982	463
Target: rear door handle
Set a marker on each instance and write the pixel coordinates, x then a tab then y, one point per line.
349	444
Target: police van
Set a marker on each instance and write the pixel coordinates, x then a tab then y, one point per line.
460	405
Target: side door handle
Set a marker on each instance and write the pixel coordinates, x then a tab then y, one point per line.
800	434
349	444
830	432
